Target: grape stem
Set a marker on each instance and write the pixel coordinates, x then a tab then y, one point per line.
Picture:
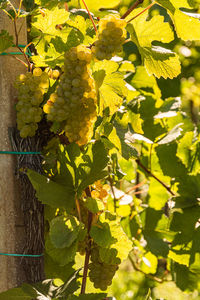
132	8
16	43
21	61
147	275
110	179
88	248
148	7
89	14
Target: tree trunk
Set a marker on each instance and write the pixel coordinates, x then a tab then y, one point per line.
12	233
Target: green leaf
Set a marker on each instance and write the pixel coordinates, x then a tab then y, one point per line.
94	205
63	231
149	263
61	256
95	6
126	150
93	166
15	294
155	190
6	40
112	87
101	234
157	60
188	190
142	79
69	287
186	24
52	193
88	297
161	62
123	245
46	22
172	135
109	256
171	166
127	66
53	270
188	152
184	278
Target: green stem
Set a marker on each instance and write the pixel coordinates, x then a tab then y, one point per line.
110	179
20	5
88	248
7	13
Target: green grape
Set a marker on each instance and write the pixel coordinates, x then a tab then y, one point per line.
102	272
37	72
31	88
111	36
73	104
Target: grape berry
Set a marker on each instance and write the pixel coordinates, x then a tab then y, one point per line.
74	102
31	88
111	36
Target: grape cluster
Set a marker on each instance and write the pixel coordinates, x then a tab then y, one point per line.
31	88
102	272
111	37
100	191
74	102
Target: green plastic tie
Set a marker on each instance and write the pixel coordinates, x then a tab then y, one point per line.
18	53
18	153
22	255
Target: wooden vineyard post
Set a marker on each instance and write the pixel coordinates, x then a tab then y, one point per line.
12	233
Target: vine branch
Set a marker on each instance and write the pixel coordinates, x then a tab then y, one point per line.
155	177
88	248
89	14
21	61
147	275
132	8
148	7
17	43
110	179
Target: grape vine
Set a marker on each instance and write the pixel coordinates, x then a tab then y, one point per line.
121	164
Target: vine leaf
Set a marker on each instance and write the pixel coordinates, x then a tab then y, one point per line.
189	154
101	234
15	294
94	6
61	256
123	245
187	282
88	297
44	290
46	22
6	40
157	60
64	231
52	193
149	263
142	80
94	205
92	167
112	87
187	24
172	135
